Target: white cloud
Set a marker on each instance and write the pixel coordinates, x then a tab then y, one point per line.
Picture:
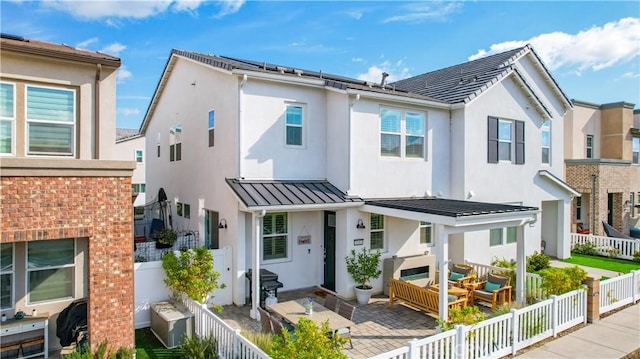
84	45
596	48
229	7
113	49
425	11
128	111
355	14
123	74
631	75
357	59
397	71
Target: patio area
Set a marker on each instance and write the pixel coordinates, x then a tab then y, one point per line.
378	329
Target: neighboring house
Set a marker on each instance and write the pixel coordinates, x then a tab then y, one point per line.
295	168
65	203
130	145
602	161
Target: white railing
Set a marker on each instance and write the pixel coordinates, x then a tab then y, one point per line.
533	287
231	344
608	246
619	291
502	335
482	270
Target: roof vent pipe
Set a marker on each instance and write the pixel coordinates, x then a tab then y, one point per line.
384	79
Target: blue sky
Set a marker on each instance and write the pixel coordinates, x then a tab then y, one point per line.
591	48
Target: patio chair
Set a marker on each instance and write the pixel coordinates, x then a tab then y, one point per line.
346	310
460	275
277	325
265	321
495	290
331	302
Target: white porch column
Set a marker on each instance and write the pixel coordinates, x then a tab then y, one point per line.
564	229
521	266
255	263
442	253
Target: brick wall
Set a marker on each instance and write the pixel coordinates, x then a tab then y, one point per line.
98	208
609	179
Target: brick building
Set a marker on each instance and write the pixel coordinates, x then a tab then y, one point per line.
65	203
602	147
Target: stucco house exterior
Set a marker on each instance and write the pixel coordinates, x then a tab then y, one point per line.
602	160
130	146
65	202
295	168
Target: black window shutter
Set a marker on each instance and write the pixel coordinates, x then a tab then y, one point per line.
172	152
492	145
519	142
211	137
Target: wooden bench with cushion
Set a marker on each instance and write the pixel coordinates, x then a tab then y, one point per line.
460	275
418	297
495	290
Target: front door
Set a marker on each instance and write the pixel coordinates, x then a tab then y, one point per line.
330	250
610	209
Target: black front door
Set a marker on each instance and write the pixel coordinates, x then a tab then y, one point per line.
610	209
330	250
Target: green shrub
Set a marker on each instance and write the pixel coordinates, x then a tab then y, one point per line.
199	348
465	316
612	252
308	342
585	248
102	352
509	270
536	262
636	256
191	273
263	341
562	280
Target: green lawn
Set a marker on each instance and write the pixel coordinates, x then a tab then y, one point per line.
148	347
613	264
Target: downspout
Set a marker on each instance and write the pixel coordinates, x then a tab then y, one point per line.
255	272
593	204
96	104
239	127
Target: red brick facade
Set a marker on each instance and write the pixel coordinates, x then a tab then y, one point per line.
98	208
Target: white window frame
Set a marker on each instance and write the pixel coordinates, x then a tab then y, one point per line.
403	133
211	127
589	146
378	230
138	187
158	145
635	150
139	159
287	256
546	128
35	121
427	241
28	271
579	208
504	236
11	120
186	210
12	275
509	141
302	126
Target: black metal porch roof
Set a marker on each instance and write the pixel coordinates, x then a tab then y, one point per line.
447	207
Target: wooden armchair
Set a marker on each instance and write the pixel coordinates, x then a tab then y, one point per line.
495	290
460	275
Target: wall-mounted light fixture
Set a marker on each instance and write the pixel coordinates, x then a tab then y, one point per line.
360	224
223	224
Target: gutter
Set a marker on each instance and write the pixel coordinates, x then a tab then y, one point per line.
96	104
280	78
399	98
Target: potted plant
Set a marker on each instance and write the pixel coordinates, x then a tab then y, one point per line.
362	267
166	238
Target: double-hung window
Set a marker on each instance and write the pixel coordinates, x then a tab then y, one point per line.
139	155
138	187
7	117
50	270
505	141
425	233
589	146
500	236
211	125
546	141
51	121
294	122
275	234
402	133
6	275
636	150
377	231
175	143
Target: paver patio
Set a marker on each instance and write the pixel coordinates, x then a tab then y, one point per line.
378	328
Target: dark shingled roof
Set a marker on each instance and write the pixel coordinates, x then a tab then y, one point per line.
447	207
256	193
124	133
456	83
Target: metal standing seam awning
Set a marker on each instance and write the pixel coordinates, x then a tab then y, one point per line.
259	196
449	216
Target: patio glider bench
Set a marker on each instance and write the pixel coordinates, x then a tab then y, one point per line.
421	298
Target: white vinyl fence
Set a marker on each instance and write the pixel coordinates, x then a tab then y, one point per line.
231	344
608	246
502	335
619	291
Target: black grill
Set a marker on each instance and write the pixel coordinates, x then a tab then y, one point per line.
268	283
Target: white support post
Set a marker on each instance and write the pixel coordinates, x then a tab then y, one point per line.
514	331
442	246
636	285
255	260
461	346
414	350
554	315
521	266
